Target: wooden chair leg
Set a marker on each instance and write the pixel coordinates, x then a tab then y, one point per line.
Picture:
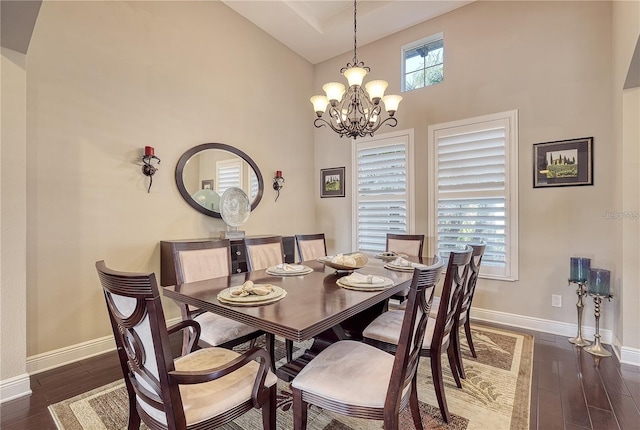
455	340
467	332
453	364
299	411
438	385
269	409
288	345
415	406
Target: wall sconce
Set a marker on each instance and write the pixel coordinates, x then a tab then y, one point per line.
278	181
147	168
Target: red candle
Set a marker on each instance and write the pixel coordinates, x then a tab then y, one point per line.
148	151
278	173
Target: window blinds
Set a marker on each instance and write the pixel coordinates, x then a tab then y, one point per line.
471	193
382	194
229	175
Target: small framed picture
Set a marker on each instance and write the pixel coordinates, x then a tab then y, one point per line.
207	184
563	163
332	182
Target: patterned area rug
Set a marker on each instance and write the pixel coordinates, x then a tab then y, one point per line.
495	395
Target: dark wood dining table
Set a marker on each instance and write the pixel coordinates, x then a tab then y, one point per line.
314	307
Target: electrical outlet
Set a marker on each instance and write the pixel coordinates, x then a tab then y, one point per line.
556	300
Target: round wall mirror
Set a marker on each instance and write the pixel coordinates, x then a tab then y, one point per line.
205	171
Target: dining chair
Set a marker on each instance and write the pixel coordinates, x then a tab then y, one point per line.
409	244
202	389
199	260
384	332
263	252
359	380
464	310
311	246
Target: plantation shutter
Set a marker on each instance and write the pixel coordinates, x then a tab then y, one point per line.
228	174
472	173
382	192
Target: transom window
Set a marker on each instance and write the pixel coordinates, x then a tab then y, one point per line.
423	62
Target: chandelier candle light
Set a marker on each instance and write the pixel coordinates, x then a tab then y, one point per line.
355	112
579	274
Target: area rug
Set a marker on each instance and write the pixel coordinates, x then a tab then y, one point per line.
495	395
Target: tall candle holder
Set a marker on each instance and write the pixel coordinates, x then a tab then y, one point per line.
579	273
581	291
599	285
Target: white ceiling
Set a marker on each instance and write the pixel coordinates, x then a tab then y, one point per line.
321	29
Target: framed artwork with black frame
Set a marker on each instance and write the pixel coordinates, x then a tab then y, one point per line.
332	182
564	163
207	184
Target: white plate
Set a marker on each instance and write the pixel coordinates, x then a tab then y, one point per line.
398	268
279	272
226	296
365	287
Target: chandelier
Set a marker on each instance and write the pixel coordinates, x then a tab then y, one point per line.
356	112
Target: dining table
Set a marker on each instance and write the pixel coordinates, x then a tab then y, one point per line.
315	305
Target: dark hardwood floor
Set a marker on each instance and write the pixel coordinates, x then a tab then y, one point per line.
570	390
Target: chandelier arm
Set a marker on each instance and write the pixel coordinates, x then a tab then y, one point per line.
321	122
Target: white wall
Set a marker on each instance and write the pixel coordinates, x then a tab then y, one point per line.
14	380
552	62
104	80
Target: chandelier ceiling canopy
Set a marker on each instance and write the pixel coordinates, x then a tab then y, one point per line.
355	111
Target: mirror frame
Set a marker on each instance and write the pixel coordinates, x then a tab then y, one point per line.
182	162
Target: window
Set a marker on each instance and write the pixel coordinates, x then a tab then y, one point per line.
229	175
474	185
383	189
423	63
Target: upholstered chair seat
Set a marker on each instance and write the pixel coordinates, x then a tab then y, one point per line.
218	330
343	361
209	399
386	328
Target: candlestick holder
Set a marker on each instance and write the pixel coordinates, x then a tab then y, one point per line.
597	348
581	291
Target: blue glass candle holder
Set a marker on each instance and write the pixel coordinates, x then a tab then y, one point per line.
599	282
580	267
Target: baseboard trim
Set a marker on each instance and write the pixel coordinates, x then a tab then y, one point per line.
14	388
539	324
59	357
630	356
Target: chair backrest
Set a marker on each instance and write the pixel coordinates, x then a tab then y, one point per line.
407	356
311	246
470	288
196	261
410	244
263	252
452	291
142	341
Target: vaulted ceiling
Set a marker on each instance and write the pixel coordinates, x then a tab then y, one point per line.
321	29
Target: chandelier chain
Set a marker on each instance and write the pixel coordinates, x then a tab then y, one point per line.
355	32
